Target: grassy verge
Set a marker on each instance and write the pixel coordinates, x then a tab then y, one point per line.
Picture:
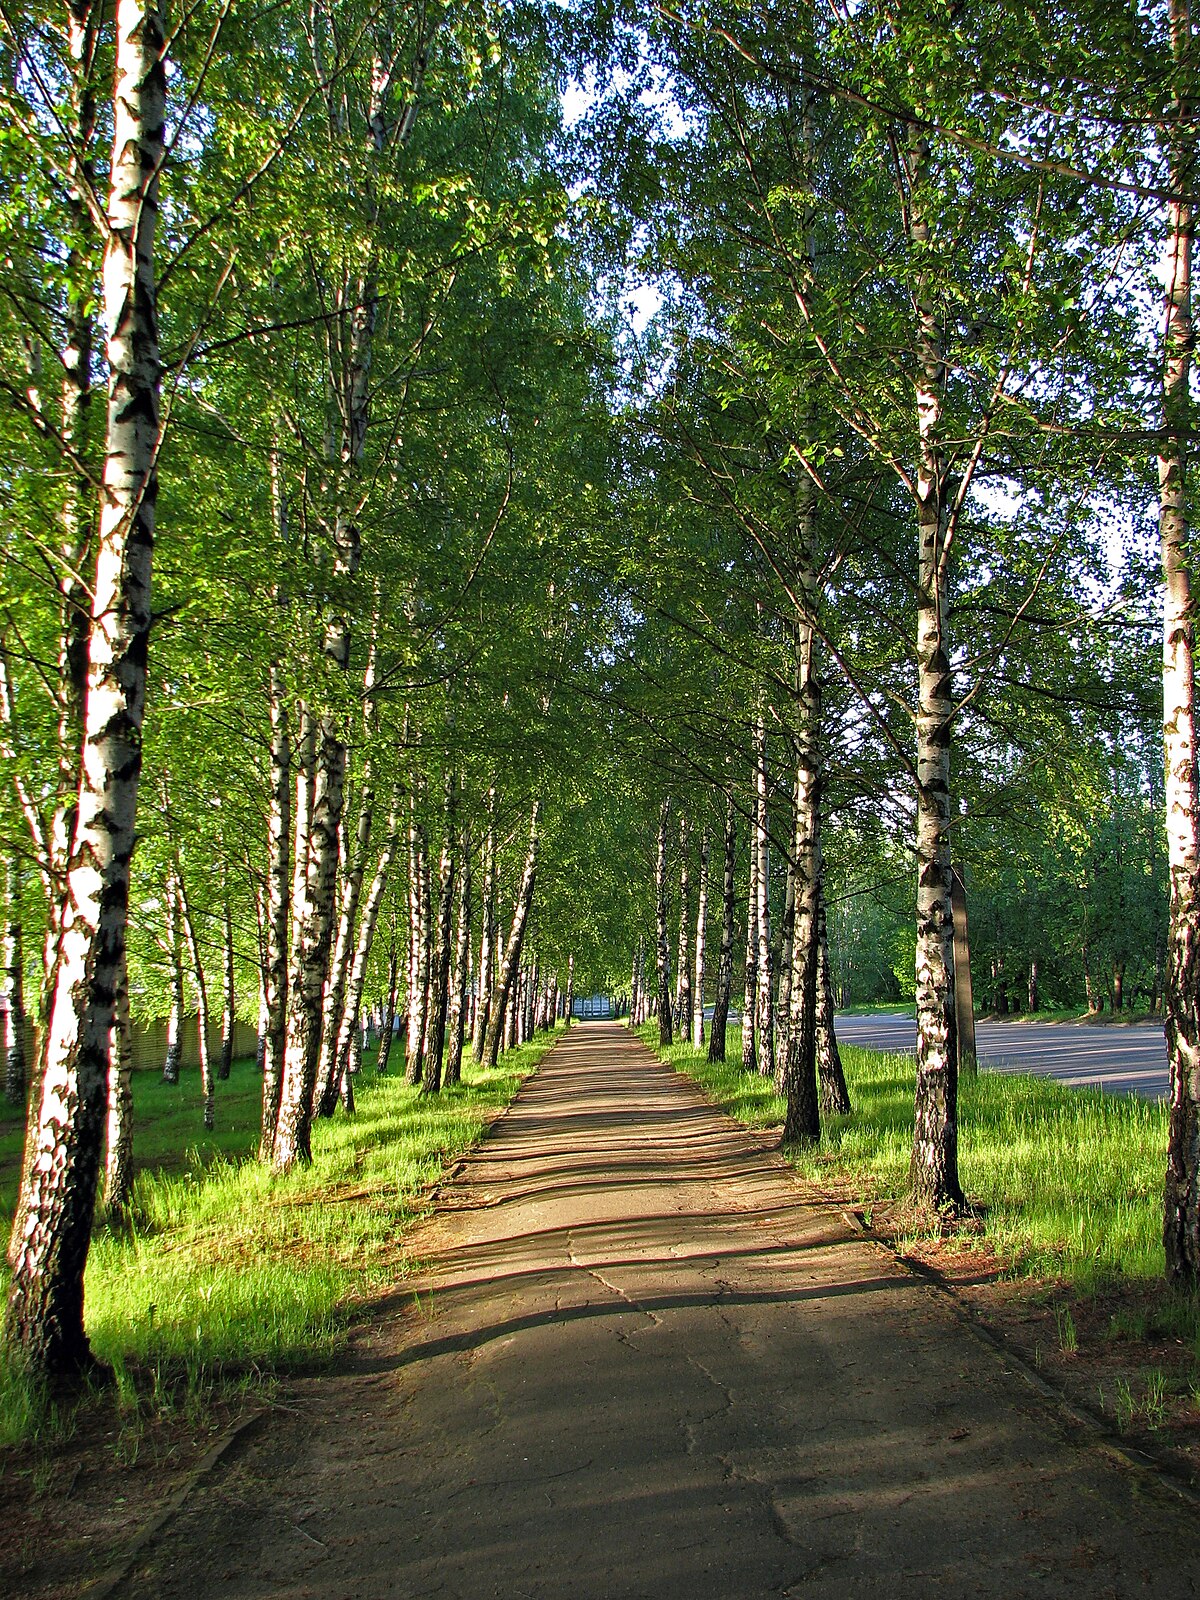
871	1008
1069	1180
226	1274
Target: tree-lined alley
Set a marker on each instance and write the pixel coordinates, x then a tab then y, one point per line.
500	648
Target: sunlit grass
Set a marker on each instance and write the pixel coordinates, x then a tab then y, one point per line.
1069	1180
224	1270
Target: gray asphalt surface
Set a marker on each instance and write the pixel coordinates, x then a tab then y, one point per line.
1123	1059
640	1364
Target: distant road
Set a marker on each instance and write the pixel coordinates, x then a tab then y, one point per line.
1125	1060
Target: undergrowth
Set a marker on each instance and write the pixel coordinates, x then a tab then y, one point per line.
1068	1180
224	1274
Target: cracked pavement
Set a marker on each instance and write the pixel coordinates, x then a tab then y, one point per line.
641	1362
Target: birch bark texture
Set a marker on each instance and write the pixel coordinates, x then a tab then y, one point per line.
720	1017
487	931
173	1056
934	1164
293	1142
1181	1011
118	1159
701	935
52	1227
12	975
504	996
797	1078
764	1004
683	956
459	999
665	1032
275	955
750	985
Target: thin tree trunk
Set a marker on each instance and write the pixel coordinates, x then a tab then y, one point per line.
665	1034
207	1084
118	1162
750	993
831	1079
765	1010
683	959
418	950
569	997
533	1000
366	936
934	1165
275	963
512	954
797	1077
720	1017
487	933
228	994
331	1061
443	953
701	935
462	954
310	957
1181	997
783	992
173	1058
964	998
389	1010
13	975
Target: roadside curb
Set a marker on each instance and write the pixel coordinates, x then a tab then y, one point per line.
118	1570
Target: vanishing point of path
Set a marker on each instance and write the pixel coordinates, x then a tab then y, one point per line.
641	1364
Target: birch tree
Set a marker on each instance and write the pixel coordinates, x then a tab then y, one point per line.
53	1224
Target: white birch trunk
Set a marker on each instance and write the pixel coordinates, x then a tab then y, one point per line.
418	948
934	1164
173	1058
1181	995
207	1084
834	1093
750	991
701	937
487	931
310	957
683	955
275	962
765	1010
442	954
720	1018
366	934
52	1227
228	992
665	1032
462	952
12	976
118	1160
506	981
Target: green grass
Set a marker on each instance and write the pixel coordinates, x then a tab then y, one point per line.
227	1273
871	1008
169	1131
1069	1180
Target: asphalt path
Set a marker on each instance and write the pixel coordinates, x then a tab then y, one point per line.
643	1363
1122	1059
